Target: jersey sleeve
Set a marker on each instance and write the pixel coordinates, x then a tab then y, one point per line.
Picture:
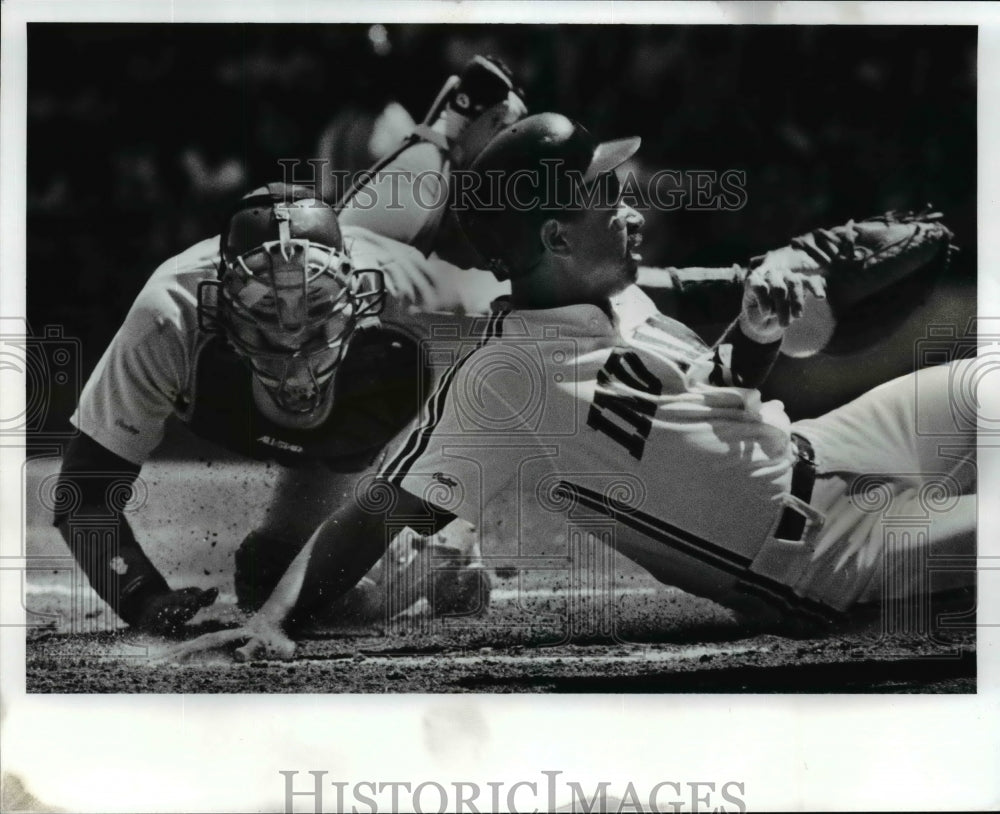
465	291
136	384
391	224
471	444
418	283
403	198
389	206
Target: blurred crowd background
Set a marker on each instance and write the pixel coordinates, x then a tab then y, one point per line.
141	136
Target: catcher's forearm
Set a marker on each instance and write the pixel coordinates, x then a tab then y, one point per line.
117	568
92	483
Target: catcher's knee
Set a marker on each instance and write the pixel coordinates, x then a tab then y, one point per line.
261	561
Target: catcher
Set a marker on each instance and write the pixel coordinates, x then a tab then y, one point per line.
245	340
730	501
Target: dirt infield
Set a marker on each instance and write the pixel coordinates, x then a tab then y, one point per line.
544	631
352	663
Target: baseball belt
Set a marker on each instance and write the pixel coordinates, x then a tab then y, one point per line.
793	523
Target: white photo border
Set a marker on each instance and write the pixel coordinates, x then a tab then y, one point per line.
225	752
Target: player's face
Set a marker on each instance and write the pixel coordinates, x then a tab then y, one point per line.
297	373
605	240
298	385
290	317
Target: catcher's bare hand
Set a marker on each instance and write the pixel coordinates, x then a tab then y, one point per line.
261	639
773	297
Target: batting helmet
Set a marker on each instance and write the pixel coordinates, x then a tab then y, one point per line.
543	166
287	298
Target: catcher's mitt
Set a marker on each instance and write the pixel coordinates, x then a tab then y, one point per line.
877	272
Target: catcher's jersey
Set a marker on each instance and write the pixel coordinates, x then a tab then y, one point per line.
633	422
161	364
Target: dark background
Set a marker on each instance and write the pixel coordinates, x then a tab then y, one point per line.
140	136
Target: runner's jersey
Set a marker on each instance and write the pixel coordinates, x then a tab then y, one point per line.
634	421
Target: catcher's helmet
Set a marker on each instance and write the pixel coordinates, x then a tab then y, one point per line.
287	298
543	166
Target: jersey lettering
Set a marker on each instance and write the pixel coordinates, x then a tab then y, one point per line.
279	444
625	419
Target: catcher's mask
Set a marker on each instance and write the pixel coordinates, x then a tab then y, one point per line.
287	298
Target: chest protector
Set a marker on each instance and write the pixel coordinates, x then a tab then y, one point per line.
379	386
